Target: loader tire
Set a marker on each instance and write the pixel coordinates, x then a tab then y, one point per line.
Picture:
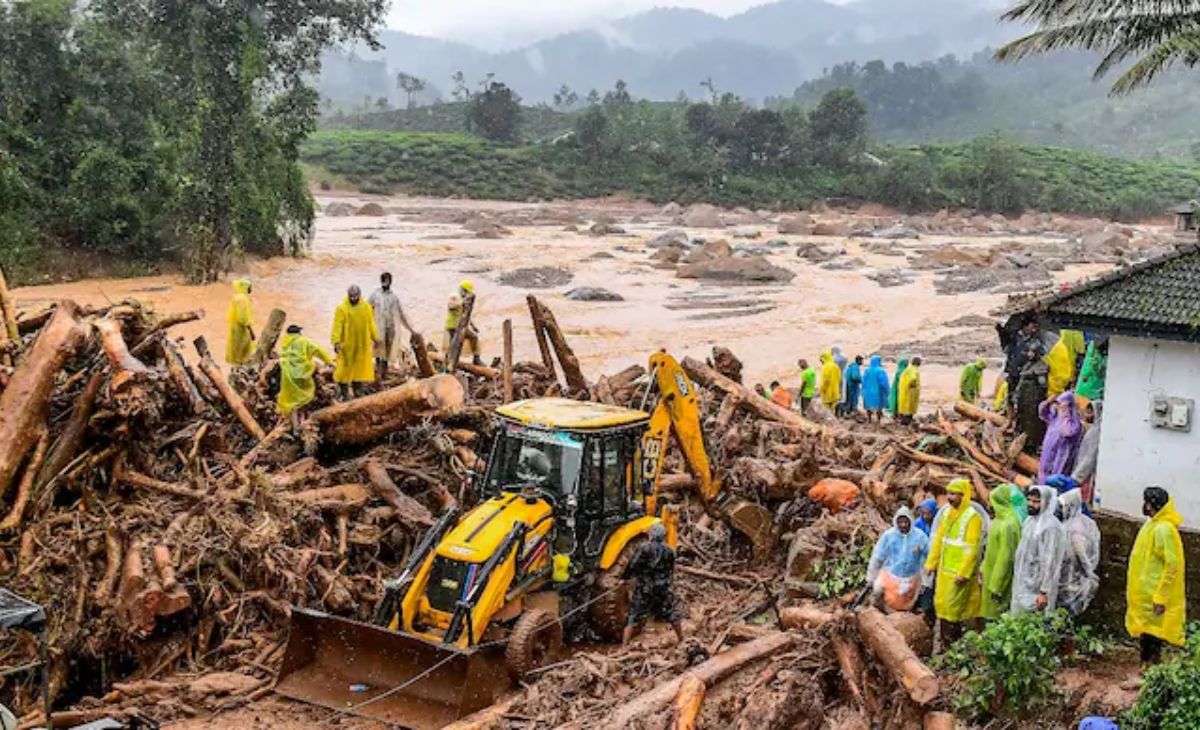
613	595
537	635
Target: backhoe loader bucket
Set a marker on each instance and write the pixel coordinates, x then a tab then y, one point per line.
372	672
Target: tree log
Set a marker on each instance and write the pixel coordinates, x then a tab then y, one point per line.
123	474
16	515
421	355
806	616
114	551
210	368
10	334
407	508
24	402
175	598
374	417
507	373
915	631
709	672
127	369
460	334
265	348
576	383
480	371
539	330
850	663
485	719
178	370
939	721
888	645
688	703
1028	464
707	376
976	413
71	436
341	497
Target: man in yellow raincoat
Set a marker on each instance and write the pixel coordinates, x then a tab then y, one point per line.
1156	609
908	399
296	367
241	336
1061	360
831	381
354	338
954	553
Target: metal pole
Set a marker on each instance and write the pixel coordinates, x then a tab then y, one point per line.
44	656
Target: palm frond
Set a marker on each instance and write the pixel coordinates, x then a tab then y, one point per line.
1126	35
1183	49
1047	12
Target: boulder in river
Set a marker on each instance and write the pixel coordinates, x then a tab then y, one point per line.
674	237
736	270
372	209
593	294
703	216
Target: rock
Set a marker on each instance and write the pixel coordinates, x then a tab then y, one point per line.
1053	264
491	231
719	249
523	219
745	249
1101	242
571	229
889	278
737	270
673	237
817	253
834	228
894	233
668	255
747	233
742	217
339	210
600	255
672	209
844	265
1019	260
800	224
605	229
373	209
703	216
593	294
882	248
778	243
540	277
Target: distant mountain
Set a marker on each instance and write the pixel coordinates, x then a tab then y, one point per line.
765	51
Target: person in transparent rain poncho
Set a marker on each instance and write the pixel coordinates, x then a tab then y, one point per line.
1079	582
1039	560
894	573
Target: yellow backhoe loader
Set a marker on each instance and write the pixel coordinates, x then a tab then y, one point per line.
570	489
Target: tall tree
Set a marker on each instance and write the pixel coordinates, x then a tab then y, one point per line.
838	128
495	112
236	72
411	86
1156	34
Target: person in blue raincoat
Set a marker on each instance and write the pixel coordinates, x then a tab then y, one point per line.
875	389
926	512
1063	484
895	570
853	386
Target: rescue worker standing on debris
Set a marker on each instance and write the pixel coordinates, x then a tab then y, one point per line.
386	306
970	383
241	335
296	367
354	338
954	553
454	314
808	385
909	397
653	568
831	381
875	389
1038	564
1156	600
781	396
1004	535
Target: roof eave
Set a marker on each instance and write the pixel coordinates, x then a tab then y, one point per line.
1123	327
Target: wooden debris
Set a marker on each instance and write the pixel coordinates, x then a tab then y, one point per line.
231	397
373	417
888	645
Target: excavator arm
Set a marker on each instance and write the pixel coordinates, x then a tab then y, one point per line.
678	412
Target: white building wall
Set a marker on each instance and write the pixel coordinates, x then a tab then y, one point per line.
1133	455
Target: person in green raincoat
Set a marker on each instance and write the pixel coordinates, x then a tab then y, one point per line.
970	382
1093	372
296	367
1004	535
893	396
1156	598
240	344
954	554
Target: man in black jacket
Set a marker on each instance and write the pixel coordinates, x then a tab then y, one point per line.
652	566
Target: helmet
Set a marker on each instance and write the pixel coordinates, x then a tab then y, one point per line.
455	302
466	286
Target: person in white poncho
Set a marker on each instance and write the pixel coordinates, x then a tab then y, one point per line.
1039	560
1079	582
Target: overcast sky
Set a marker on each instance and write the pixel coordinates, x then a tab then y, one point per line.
505	23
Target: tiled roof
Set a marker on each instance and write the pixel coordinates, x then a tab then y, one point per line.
1159	297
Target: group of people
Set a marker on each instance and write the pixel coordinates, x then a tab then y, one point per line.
843	386
1037	550
363	338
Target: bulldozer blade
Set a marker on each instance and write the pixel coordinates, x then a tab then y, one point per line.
752	520
369	671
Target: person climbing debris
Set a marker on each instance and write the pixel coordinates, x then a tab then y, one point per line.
296	368
1064	432
454	314
385	304
652	568
895	570
1039	559
970	382
1155	593
354	338
240	344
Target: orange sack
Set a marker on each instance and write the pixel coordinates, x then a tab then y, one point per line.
835	494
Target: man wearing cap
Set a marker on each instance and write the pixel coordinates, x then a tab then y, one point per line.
653	567
386	307
296	367
454	312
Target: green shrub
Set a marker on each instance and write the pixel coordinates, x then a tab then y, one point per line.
845	573
1170	695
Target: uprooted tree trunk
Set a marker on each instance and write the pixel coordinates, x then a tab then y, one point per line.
366	419
10	334
576	383
539	331
71	438
128	371
888	645
460	334
407	509
265	348
707	376
210	368
23	403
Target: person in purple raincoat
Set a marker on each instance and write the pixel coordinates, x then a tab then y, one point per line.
1064	432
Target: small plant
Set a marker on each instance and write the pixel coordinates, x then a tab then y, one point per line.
847	572
1010	666
1170	695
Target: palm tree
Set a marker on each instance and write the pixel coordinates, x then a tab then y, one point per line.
1155	34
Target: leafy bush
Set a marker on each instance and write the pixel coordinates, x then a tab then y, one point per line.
845	573
1010	667
1170	695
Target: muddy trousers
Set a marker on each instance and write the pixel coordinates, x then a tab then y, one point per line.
1150	648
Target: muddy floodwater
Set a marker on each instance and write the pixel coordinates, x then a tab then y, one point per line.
425	244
